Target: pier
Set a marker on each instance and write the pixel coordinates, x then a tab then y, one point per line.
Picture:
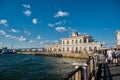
84	71
108	72
94	69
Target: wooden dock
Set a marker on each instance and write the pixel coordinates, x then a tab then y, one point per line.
108	72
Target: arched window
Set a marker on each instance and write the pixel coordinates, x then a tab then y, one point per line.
76	51
85	50
80	49
80	41
63	42
90	49
72	41
76	41
72	50
67	49
95	49
67	41
84	40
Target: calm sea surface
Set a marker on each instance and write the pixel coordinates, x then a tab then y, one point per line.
29	67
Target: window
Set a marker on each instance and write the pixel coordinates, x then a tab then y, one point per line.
63	42
72	50
67	42
80	41
72	41
76	50
76	41
90	49
84	40
95	48
67	49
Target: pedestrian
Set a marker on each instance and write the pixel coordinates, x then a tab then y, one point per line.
115	57
106	57
109	54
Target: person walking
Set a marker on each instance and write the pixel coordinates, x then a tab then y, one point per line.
109	54
115	57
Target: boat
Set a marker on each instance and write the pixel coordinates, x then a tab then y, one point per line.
6	51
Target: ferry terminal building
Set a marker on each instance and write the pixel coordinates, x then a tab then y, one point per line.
118	39
75	44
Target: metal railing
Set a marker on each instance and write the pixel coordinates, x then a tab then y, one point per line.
83	71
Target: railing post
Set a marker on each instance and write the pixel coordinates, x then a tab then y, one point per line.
85	74
84	71
96	61
80	73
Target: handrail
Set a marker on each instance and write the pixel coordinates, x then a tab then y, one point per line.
83	72
69	75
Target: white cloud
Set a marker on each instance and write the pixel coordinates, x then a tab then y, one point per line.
14	30
46	41
26	6
38	37
27	32
21	38
7	35
61	14
60	29
71	29
2	32
27	12
55	24
32	41
34	21
10	36
58	23
55	41
4	22
51	25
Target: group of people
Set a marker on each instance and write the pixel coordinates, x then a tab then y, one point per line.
112	56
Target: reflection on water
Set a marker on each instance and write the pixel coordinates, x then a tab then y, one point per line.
29	67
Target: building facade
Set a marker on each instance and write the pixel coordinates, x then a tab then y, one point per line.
53	48
75	44
118	38
79	44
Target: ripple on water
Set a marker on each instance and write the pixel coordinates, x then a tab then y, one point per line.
29	67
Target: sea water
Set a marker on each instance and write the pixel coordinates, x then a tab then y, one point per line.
30	67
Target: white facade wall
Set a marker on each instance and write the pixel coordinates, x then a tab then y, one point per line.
118	37
74	45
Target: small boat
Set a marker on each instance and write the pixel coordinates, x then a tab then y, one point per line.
6	51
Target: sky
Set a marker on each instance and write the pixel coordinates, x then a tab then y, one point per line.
36	23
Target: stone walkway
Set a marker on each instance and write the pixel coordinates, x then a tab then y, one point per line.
108	72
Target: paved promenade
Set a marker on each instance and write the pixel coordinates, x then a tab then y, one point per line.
108	72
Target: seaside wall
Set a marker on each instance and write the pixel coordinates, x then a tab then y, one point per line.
67	55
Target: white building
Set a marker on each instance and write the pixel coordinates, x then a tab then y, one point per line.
118	37
75	44
79	44
53	48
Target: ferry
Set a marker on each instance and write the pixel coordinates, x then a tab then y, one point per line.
6	51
